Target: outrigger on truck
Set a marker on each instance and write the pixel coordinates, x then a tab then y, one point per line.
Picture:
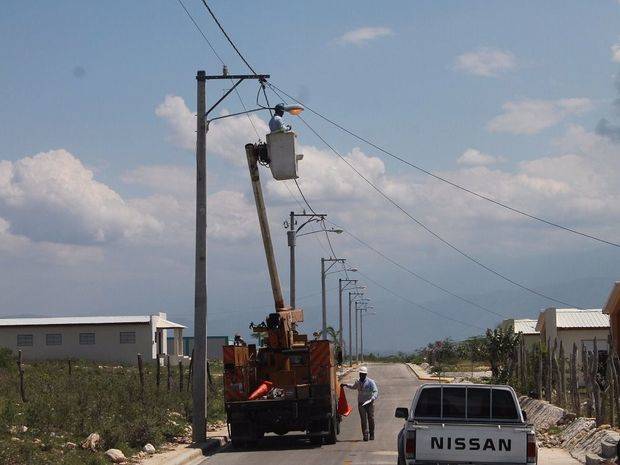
289	384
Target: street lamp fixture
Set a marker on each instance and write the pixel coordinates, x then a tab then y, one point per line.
199	360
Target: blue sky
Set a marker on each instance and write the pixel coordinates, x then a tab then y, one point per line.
102	223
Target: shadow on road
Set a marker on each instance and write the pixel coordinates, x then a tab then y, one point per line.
274	443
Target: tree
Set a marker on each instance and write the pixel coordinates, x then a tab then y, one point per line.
501	345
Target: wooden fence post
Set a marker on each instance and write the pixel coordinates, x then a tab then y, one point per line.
169	372
20	367
191	371
158	372
180	376
141	372
574	382
548	387
539	376
562	376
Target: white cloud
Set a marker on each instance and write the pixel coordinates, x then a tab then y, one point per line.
487	62
532	116
163	178
53	197
475	157
226	138
615	53
363	35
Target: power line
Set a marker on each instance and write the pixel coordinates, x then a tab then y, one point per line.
227	36
413	273
204	36
429	230
445	180
420	306
201	32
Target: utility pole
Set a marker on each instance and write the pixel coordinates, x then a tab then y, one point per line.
291	235
340	328
324	271
199	364
357	354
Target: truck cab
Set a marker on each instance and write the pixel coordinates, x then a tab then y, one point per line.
475	424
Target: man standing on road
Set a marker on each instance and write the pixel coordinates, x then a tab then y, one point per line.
367	393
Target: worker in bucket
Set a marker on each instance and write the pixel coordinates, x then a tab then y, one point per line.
367	393
276	123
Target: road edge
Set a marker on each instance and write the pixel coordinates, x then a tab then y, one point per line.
424	376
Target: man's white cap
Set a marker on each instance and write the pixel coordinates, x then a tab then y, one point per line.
363	370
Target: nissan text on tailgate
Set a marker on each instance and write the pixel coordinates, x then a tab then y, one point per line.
465	424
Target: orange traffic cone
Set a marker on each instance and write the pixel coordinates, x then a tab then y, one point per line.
344	409
261	390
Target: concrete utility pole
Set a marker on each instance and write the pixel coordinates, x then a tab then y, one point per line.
324	271
199	364
290	234
340	328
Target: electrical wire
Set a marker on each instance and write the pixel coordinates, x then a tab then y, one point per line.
420	306
304	197
204	36
228	37
432	232
416	275
445	180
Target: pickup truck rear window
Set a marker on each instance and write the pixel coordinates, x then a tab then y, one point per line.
429	403
467	403
503	405
453	402
478	403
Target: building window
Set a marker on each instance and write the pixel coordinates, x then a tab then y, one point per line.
53	339
87	339
128	337
25	340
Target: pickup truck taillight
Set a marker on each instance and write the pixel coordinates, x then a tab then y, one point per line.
532	449
410	445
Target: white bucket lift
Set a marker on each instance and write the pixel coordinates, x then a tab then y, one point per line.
282	156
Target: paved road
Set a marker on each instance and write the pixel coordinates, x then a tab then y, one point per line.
396	388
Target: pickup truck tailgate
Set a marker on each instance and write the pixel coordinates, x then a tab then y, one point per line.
463	444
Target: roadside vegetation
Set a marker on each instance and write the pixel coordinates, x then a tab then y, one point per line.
66	402
490	352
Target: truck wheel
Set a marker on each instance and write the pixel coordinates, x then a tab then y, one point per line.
333	426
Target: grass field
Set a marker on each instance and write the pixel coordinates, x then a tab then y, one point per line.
65	407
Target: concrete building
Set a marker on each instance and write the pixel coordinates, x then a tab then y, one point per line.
574	326
612	308
99	338
526	327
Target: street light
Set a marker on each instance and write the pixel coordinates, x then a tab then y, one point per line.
362	312
292	235
199	362
347	282
358	291
324	272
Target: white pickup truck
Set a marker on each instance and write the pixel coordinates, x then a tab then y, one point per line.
477	424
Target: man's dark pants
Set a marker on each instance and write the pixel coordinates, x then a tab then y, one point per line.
367	417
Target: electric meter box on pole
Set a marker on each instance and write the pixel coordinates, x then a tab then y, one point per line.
282	157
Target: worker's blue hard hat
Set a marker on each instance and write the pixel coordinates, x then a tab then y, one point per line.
279	107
